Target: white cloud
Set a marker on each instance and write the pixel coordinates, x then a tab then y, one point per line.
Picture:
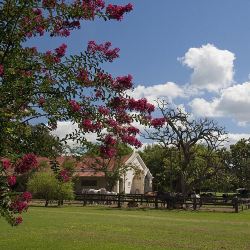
233	138
169	90
202	107
213	69
67	127
234	102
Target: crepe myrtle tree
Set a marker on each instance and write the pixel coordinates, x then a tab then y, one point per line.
49	86
177	129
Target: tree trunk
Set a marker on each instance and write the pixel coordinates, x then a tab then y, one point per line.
183	184
46	203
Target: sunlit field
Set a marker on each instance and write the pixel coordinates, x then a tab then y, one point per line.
106	228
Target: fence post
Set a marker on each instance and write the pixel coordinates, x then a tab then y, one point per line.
119	200
156	201
236	205
84	200
195	203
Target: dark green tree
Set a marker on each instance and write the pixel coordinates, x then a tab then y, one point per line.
240	162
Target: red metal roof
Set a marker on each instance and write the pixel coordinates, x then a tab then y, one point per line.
88	166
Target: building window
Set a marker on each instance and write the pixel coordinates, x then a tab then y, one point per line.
89	183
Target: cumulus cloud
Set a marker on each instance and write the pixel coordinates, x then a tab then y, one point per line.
233	138
233	102
169	90
67	127
213	69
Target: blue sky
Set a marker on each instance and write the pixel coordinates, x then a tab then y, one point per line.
212	38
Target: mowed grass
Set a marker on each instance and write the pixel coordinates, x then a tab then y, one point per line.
105	228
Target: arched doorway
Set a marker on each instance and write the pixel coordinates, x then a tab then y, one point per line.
137	186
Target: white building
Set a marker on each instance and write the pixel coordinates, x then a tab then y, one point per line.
137	179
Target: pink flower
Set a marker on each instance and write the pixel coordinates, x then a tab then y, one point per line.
112	123
108	53
18	220
64	175
49	3
60	51
158	122
109	140
27	196
26	163
37	11
123	82
104	78
103	110
107	152
141	105
11	180
19	206
133	130
40	30
1	70
87	123
75	106
131	140
6	163
41	101
116	11
83	76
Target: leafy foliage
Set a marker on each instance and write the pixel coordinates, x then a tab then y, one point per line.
48	86
45	185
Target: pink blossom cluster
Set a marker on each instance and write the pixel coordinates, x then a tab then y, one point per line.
89	126
91	7
104	78
11	180
26	163
18	220
49	3
61	28
109	140
108	149
121	103
107	152
41	101
31	51
6	163
61	50
104	49
26	196
99	93
64	175
122	117
158	122
123	83
113	123
34	24
133	130
104	110
74	105
117	12
1	70
133	141
49	57
18	206
141	105
83	77
55	57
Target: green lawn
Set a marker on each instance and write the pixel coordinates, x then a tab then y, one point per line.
105	228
